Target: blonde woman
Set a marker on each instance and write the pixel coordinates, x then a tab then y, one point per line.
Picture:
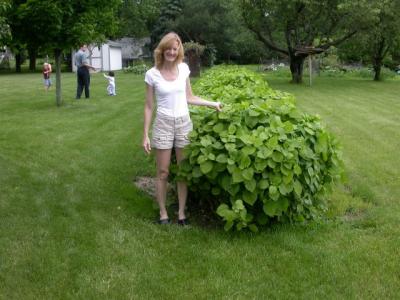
168	82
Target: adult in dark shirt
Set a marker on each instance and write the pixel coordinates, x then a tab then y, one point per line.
83	75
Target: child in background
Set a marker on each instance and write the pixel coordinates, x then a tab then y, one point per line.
46	76
111	83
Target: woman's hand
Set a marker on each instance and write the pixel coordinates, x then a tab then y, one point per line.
146	145
218	106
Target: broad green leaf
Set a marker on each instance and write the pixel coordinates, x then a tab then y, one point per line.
277	156
206	167
196	172
248	150
260	164
272	142
245	162
205	141
248	173
233	189
253	113
247	139
264	153
309	131
297	169
238	205
275	179
263	184
218	127
237	175
285	189
225	182
297	188
253	227
222	158
250	185
249	198
273	192
232	129
201	159
271	164
283	204
222	209
228	225
270	208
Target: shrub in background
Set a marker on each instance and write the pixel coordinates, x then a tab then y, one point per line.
139	68
259	159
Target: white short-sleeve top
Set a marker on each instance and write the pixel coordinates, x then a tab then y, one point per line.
170	95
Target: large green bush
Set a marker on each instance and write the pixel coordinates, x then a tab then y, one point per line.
259	159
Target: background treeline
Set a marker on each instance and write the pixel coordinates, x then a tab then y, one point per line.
235	31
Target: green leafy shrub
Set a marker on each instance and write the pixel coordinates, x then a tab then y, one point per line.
259	159
138	68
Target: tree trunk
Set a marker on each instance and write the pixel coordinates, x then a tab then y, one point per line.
58	56
194	63
377	70
296	68
18	62
378	58
32	59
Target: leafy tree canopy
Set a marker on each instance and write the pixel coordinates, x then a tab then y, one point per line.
290	26
4	28
137	18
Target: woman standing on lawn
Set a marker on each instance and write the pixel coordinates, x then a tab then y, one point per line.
169	81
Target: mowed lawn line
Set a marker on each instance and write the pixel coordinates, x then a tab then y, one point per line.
83	230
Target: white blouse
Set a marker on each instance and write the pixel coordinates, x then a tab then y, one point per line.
170	95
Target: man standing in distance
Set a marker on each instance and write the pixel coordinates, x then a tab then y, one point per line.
83	66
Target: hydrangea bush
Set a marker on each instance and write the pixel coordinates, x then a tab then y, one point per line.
259	159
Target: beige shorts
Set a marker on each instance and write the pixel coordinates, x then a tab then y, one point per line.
169	132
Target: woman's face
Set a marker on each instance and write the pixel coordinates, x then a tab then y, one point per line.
171	52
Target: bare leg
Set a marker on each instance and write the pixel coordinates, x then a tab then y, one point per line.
182	187
163	158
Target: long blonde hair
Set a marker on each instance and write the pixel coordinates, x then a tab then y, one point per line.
165	43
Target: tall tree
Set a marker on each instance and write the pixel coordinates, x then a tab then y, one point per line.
170	11
16	38
4	27
137	18
29	19
384	34
217	24
295	27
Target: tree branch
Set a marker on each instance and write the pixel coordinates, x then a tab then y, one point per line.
269	43
338	41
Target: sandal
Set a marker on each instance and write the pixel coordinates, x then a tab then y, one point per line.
164	221
183	222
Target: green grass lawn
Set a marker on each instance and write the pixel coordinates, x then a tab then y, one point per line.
73	224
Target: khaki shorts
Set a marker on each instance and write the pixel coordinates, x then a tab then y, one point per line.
169	132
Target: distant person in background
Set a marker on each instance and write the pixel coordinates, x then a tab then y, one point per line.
111	83
83	75
46	76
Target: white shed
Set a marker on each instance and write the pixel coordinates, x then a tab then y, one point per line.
107	57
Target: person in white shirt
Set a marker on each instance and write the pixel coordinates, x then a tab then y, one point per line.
169	82
111	83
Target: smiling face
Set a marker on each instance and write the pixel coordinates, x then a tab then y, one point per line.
171	52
